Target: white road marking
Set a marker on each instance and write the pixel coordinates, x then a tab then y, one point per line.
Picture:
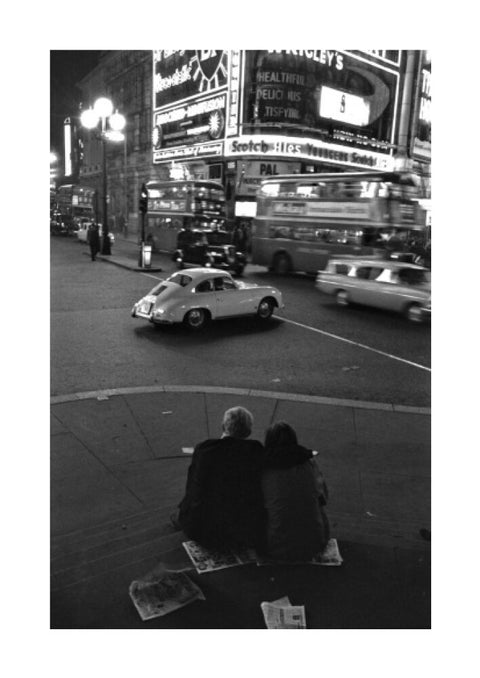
356	343
149	275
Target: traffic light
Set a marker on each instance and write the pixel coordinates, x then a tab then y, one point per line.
143	201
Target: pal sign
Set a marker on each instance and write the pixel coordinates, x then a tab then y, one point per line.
250	173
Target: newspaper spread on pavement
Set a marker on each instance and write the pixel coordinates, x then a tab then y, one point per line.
208	560
162	591
281	614
330	556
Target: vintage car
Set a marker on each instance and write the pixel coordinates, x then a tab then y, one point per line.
82	232
208	248
383	283
198	295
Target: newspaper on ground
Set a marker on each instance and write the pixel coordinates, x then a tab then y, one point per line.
329	556
208	560
162	591
281	614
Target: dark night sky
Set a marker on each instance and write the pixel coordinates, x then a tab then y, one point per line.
67	67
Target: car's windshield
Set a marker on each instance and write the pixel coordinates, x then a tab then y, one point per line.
180	279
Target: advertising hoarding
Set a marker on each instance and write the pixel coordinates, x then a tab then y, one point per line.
422	123
190	103
346	97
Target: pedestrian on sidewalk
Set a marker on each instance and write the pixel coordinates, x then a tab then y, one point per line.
223	507
295	495
93	239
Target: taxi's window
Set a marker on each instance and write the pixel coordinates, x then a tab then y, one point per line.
342	269
363	272
412	276
375	273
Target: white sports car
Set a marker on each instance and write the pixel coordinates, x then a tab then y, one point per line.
198	295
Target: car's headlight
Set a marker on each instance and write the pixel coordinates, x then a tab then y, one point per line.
158	312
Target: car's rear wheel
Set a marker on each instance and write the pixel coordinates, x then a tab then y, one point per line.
196	319
265	309
342	298
414	313
281	264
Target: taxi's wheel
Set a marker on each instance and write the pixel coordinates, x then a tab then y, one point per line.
414	313
265	309
196	319
342	298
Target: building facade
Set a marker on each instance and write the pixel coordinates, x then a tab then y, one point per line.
237	116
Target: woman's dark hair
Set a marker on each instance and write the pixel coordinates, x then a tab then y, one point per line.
280	434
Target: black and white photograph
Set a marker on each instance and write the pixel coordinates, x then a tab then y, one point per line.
241	264
238	381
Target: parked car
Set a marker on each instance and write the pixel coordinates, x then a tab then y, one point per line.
208	248
82	232
388	284
196	296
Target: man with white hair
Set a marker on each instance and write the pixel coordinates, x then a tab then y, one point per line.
223	505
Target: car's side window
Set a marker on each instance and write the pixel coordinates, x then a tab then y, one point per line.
363	272
375	273
341	269
228	284
204	286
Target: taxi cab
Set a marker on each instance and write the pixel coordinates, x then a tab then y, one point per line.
387	284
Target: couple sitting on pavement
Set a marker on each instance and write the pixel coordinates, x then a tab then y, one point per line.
240	493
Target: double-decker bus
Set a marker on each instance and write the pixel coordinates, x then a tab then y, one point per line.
303	219
75	203
184	204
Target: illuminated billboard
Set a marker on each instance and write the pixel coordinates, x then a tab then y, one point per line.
346	97
422	123
190	103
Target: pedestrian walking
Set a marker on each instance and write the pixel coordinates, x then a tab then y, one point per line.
93	239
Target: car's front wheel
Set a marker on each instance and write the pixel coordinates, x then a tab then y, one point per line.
265	309
196	319
342	298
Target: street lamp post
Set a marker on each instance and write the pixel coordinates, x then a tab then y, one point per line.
110	130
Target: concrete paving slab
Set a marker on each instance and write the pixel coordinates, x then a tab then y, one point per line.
321	417
392	426
69	458
397	497
395	457
155	482
87	499
162	418
107	428
56	426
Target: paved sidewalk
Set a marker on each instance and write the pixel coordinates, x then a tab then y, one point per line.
118	468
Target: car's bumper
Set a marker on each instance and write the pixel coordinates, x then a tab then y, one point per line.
157	320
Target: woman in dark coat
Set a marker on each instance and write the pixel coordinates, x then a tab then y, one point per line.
294	494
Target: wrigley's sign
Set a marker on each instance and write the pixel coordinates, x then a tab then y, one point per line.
305	149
